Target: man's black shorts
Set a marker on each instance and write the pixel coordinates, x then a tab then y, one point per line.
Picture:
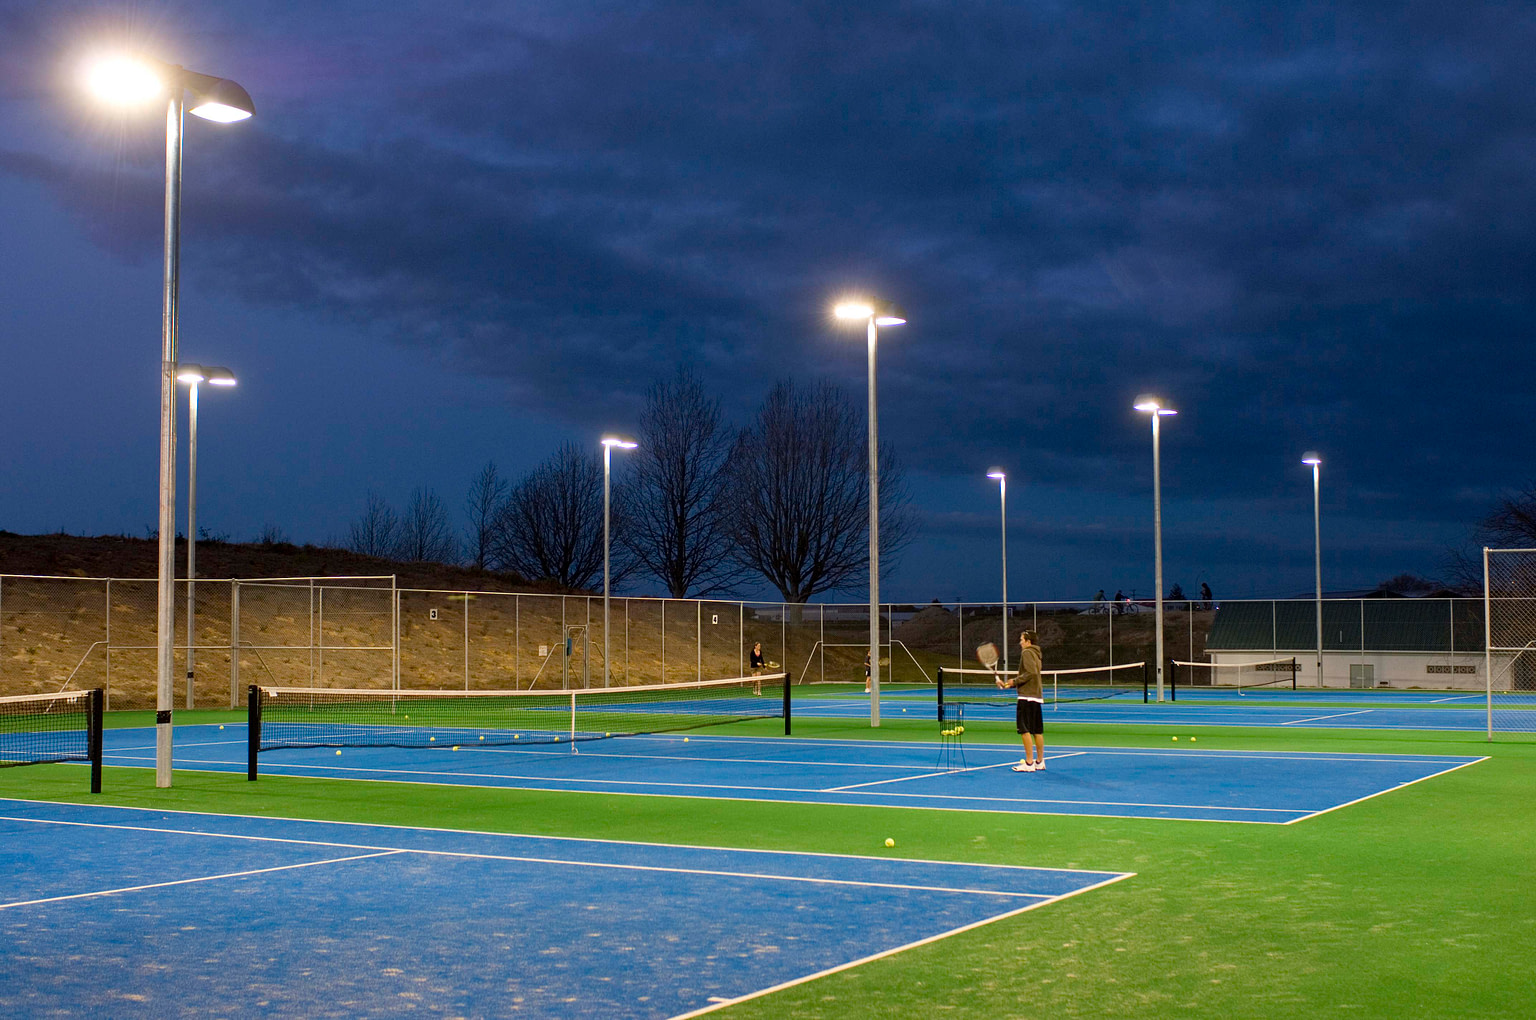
1029	717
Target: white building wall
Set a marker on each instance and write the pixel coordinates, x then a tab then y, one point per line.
1425	670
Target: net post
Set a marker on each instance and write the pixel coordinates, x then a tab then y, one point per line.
1293	672
1173	683
941	695
93	736
784	679
253	730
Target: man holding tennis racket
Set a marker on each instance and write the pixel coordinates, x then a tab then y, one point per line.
1031	699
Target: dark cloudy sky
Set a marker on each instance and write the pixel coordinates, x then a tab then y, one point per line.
459	232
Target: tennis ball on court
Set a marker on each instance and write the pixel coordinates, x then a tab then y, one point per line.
433	740
1191	740
223	727
685	740
338	752
1175	740
482	737
455	747
960	730
889	841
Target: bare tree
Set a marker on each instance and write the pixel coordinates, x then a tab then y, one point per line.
800	484
551	526
679	521
1511	524
375	533
487	493
425	534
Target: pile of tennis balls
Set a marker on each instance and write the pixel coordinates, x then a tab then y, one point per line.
952	733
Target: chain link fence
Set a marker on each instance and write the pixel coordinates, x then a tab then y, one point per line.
1509	599
334	632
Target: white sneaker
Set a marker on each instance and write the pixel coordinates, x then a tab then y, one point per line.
1023	766
1041	766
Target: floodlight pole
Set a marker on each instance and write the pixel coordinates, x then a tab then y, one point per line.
1157	542
609	442
607	468
191	537
1002	490
874	535
165	662
1317	553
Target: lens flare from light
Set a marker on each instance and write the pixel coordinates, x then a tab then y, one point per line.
122	81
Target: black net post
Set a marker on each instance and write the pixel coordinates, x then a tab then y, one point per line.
787	685
941	695
1173	680
1293	673
93	736
253	730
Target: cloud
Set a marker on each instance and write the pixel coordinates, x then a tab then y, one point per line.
1309	225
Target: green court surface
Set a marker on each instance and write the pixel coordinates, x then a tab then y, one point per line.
1418	903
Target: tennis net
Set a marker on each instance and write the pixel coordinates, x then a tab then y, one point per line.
1241	677
1060	686
319	717
38	728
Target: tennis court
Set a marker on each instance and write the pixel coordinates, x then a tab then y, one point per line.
123	912
1177	783
1302	708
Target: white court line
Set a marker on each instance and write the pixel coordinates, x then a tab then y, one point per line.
943	772
1320	718
459	832
925	775
812	790
722	1004
184	881
1378	793
470	855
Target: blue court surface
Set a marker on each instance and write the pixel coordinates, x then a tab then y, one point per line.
1300	709
1183	782
124	912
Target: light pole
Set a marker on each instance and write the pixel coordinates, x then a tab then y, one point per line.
192	375
1002	490
1154	406
875	314
1316	461
126	81
609	442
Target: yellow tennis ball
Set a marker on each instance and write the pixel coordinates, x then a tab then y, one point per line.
455	747
1175	740
432	740
889	841
221	727
960	729
1191	740
338	752
482	737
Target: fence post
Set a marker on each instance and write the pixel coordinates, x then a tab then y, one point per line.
466	641
234	645
698	638
107	692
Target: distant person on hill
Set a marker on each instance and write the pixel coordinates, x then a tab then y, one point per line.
1205	595
1119	600
1031	701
